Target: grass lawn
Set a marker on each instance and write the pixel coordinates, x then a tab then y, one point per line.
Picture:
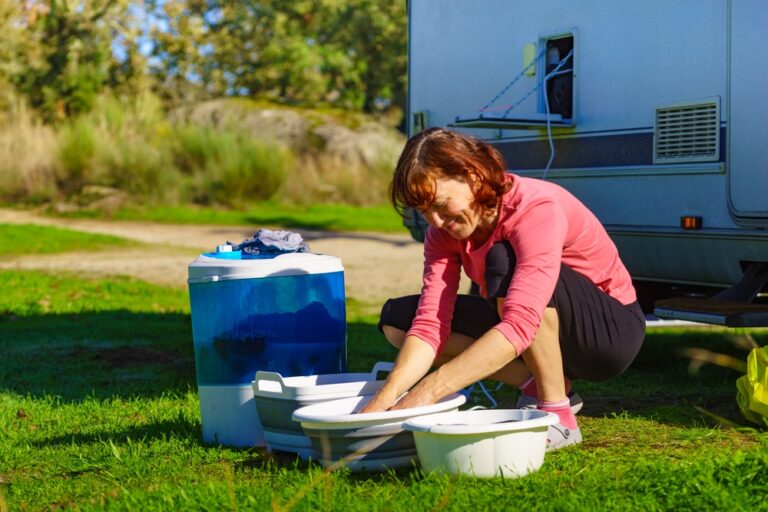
330	217
99	411
19	239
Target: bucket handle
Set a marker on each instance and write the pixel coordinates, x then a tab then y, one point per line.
381	366
272	377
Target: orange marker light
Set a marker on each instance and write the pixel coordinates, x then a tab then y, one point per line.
690	222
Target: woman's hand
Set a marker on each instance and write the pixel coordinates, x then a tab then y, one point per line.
413	362
381	401
481	359
421	394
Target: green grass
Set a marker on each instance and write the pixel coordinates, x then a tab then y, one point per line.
21	239
98	411
328	217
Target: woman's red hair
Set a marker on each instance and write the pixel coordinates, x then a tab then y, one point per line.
438	152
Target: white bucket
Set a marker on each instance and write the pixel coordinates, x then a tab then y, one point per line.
483	443
277	398
371	441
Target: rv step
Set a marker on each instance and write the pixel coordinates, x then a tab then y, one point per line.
714	311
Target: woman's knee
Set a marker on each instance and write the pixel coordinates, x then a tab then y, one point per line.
499	268
398	313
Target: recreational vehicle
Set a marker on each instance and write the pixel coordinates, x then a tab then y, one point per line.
653	113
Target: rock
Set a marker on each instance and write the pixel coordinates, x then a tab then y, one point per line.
102	199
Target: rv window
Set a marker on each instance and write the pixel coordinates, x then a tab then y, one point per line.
560	85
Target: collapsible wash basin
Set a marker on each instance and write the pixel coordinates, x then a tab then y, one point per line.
484	443
371	441
284	314
278	397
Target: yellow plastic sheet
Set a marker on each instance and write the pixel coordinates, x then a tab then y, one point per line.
752	395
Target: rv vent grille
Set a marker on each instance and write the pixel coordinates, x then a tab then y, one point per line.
687	133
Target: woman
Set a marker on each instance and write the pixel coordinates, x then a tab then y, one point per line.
559	304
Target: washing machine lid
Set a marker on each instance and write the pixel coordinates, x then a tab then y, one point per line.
210	267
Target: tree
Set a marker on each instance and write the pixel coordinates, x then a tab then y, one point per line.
61	52
348	53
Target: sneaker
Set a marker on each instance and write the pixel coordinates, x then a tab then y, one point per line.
559	436
530	402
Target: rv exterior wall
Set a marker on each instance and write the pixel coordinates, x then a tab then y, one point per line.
631	58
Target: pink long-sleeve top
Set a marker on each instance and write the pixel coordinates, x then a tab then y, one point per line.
546	226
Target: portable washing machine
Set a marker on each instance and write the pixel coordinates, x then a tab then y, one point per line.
282	313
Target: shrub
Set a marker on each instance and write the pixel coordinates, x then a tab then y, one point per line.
228	167
131	145
76	150
119	145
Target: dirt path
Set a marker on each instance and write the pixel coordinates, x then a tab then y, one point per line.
376	266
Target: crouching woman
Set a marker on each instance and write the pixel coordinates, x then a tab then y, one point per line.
557	303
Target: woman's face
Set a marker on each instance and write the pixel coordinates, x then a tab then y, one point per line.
454	210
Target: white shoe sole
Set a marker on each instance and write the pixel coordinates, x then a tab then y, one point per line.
559	436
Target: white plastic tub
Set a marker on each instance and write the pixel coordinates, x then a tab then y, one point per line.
277	398
483	443
371	441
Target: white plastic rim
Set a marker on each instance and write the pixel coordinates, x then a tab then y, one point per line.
493	421
319	387
341	413
206	269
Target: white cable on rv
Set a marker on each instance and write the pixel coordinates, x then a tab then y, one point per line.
546	104
549	134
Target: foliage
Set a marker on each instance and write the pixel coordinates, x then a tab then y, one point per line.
349	53
229	167
120	145
129	149
60	55
80	82
59	51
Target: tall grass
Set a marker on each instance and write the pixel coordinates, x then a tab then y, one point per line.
28	158
130	146
327	178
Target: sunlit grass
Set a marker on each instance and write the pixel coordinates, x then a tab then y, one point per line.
99	411
331	217
26	239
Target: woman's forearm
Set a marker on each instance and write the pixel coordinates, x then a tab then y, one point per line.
413	362
487	355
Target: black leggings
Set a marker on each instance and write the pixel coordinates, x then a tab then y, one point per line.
599	336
